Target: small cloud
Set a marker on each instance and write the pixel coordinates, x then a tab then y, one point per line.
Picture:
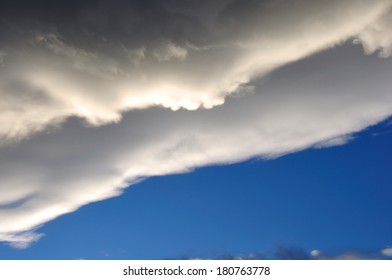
348	255
387	252
315	253
352	256
20	240
382	133
336	141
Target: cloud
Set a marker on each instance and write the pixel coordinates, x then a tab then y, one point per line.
99	59
387	252
315	253
349	255
377	38
20	240
170	51
51	80
57	172
353	255
295	253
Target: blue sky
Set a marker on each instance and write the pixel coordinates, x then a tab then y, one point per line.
143	129
335	200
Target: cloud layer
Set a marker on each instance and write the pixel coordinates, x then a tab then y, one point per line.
98	59
112	59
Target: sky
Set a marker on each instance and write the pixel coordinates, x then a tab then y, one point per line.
195	129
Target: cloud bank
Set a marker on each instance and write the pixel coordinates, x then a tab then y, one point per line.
115	65
95	60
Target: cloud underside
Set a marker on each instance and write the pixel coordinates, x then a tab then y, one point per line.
284	73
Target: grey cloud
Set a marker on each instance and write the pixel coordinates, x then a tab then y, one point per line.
377	38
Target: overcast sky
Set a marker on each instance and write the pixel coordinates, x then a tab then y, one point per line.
96	96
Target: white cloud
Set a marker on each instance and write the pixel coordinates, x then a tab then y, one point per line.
387	252
348	255
318	101
353	255
315	253
20	240
59	171
101	79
